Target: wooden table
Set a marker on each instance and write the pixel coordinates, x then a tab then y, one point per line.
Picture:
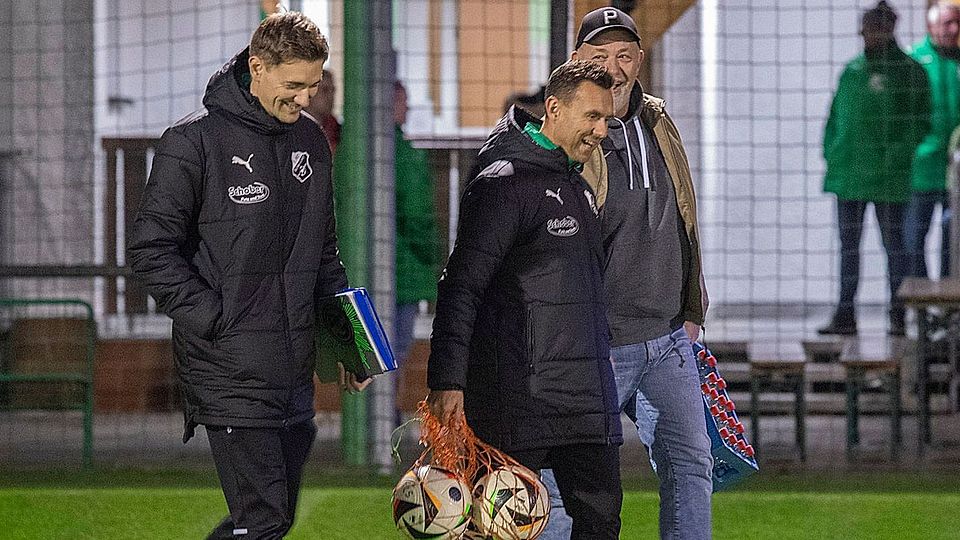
921	294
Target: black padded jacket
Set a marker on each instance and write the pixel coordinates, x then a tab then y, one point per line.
235	239
520	323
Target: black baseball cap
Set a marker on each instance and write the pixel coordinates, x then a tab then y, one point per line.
603	19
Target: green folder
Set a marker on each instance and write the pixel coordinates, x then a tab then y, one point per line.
348	331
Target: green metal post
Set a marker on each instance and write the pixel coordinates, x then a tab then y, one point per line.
351	187
88	398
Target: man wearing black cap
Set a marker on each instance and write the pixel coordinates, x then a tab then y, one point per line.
653	281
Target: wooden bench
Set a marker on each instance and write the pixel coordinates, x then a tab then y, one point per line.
879	356
766	366
776	365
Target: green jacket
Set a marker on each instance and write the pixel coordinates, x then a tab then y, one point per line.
879	115
930	165
418	248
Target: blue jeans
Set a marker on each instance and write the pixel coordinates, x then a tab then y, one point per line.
917	225
659	389
405	317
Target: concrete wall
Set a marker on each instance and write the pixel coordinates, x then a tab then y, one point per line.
47	124
156	56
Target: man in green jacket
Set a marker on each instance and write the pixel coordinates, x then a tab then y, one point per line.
879	115
418	251
938	54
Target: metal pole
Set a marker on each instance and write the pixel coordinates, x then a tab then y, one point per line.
383	413
953	184
351	186
559	15
454	198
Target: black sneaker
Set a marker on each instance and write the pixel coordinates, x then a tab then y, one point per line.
837	328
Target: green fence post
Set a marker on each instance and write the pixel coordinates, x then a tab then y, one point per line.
351	187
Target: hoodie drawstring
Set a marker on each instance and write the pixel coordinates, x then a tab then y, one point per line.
626	141
643	151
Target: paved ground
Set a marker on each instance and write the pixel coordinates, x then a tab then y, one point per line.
33	439
50	439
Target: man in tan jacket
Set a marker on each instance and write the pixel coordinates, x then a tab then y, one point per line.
653	280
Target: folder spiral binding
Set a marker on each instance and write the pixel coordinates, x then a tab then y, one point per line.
733	456
349	332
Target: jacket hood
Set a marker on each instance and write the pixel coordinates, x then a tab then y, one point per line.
508	142
229	91
643	108
649	108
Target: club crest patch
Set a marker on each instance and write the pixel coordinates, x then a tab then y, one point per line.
301	166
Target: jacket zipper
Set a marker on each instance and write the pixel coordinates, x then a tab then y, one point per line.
530	350
577	179
281	185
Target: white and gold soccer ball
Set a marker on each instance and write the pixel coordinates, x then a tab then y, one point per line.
510	503
429	502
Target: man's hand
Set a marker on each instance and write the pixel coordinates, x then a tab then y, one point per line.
348	381
692	329
446	405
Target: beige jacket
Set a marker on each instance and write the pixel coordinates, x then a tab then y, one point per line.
655	116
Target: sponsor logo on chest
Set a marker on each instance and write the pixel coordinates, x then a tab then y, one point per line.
250	194
565	226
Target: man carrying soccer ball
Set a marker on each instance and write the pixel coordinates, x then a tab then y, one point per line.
520	343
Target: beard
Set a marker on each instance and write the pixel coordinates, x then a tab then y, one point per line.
621	98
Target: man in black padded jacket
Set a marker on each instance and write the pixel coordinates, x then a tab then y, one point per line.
235	239
520	342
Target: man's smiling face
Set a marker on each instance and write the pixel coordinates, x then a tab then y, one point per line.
285	89
621	56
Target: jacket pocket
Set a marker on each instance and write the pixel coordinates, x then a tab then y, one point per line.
565	342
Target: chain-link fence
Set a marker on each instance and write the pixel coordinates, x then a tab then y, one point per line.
91	85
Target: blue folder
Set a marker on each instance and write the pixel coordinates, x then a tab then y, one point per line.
349	332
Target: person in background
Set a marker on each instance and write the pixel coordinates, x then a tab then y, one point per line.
938	53
320	110
418	249
880	113
533	103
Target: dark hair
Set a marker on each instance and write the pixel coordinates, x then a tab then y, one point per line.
881	17
566	79
287	37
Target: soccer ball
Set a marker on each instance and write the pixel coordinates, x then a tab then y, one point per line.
511	504
433	503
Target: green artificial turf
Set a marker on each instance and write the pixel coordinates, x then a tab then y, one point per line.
150	505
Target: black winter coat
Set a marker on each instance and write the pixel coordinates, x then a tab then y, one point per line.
520	323
235	239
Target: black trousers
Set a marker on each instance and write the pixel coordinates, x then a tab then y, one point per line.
260	471
890	217
588	477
